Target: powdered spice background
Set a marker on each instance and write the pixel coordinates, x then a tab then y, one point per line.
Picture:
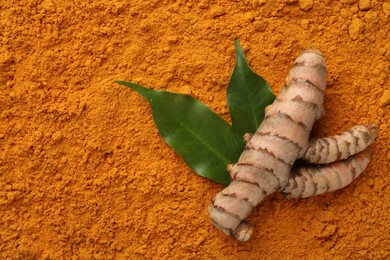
83	171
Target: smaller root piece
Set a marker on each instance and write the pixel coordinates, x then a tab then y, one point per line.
310	181
342	146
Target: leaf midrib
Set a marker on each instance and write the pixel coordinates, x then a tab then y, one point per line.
206	144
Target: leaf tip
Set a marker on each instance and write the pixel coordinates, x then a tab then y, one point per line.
145	92
238	46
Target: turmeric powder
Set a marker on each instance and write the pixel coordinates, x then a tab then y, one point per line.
83	171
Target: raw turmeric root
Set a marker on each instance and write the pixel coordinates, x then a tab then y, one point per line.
283	137
310	181
339	147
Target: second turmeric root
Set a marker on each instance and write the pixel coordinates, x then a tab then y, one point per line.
313	180
341	146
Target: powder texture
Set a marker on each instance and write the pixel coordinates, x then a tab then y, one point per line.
83	171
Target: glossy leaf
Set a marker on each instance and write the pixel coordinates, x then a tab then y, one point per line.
247	96
203	139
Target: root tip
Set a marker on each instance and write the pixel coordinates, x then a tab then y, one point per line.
244	231
373	130
313	49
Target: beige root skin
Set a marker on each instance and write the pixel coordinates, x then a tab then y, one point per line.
265	165
283	136
340	147
310	181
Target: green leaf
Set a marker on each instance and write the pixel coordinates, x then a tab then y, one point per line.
205	141
247	96
202	138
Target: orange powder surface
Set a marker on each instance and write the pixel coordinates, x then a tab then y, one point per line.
83	171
